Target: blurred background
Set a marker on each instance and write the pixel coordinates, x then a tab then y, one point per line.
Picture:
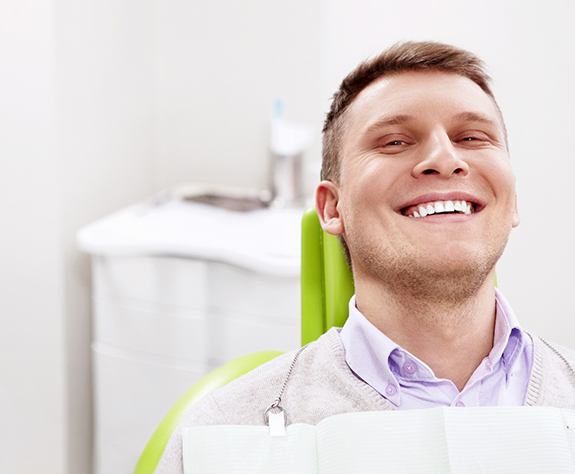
121	105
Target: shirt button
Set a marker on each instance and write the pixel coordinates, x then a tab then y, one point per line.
409	368
488	364
459	403
390	390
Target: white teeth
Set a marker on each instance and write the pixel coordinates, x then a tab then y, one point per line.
442	207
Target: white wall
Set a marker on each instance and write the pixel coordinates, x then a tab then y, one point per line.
32	394
104	73
528	48
220	67
76	143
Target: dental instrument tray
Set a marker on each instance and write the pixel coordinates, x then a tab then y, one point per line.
232	199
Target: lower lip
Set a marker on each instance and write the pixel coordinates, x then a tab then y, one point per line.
443	218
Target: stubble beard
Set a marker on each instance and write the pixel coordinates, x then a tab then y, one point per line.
411	276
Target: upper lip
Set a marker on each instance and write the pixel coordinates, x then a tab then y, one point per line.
450	196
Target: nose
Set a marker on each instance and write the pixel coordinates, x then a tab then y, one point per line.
441	158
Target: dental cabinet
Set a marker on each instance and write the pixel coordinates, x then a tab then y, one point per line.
178	288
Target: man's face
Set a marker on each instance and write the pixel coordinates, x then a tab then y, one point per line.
411	141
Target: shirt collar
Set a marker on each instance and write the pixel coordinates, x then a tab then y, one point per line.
379	361
508	338
367	352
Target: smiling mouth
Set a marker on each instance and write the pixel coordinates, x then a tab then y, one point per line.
441	210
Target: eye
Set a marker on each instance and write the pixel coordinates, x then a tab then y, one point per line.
473	137
396	143
393	143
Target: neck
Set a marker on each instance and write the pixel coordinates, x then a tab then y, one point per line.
451	333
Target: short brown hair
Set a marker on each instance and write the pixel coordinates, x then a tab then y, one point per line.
401	57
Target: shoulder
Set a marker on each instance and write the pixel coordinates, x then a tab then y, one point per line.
554	368
311	370
320	384
556	352
245	400
567	352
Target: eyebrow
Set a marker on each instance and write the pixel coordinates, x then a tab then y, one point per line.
401	119
475	117
389	120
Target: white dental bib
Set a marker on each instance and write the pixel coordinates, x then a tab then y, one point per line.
434	440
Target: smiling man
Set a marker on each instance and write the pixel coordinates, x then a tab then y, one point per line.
418	185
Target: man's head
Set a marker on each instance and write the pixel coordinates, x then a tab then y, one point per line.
413	126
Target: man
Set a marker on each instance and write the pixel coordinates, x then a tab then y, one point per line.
418	185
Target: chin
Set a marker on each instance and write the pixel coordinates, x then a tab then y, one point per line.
459	268
405	264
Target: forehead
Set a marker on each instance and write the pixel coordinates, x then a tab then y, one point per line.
427	95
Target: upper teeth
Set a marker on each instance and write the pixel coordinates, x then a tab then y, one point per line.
428	208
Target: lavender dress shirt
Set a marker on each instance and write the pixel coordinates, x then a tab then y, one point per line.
407	382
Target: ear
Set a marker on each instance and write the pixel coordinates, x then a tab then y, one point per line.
515	213
326	205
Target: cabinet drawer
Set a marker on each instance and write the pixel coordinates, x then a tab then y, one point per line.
171	281
235	289
151	329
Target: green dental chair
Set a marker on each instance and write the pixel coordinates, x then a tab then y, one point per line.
326	287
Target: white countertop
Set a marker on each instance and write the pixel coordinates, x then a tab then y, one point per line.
267	240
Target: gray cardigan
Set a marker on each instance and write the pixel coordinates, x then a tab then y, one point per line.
322	385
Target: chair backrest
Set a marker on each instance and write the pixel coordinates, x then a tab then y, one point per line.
326	280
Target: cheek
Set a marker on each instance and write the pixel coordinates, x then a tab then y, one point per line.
502	182
370	182
364	204
493	168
